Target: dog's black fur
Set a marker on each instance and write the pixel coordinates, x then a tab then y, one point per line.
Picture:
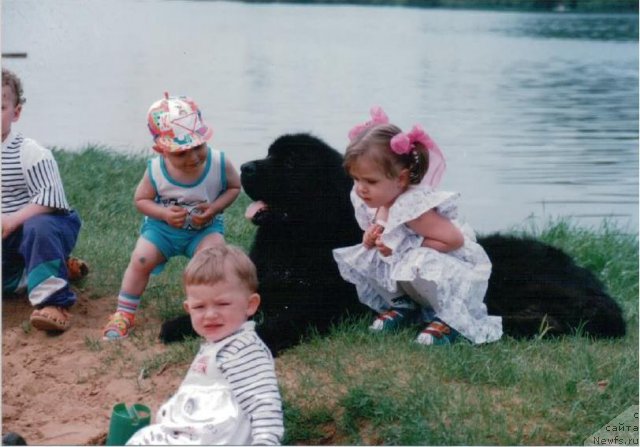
531	281
309	213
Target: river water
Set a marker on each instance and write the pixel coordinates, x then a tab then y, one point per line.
537	113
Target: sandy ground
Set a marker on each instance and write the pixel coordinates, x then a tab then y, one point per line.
60	389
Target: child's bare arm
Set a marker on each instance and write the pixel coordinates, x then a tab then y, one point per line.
145	203
439	232
210	210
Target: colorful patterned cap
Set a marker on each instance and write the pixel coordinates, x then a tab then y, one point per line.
176	124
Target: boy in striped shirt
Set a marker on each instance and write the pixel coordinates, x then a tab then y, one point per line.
39	229
230	394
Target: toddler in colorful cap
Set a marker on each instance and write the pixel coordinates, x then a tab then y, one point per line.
176	124
182	194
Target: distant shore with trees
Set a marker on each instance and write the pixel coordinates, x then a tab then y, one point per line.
609	6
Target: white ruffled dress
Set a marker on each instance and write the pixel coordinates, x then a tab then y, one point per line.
452	284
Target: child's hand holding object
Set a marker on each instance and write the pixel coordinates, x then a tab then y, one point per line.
371	239
372	235
203	214
176	216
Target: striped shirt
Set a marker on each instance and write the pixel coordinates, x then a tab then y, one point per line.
248	366
29	175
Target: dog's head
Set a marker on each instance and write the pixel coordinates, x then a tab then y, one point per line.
300	175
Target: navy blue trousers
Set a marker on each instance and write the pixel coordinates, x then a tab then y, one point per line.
38	252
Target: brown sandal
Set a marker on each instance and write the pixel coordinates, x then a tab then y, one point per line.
51	318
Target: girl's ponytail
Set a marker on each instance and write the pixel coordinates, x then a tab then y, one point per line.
418	164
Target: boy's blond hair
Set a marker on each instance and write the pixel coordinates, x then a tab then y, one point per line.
12	80
212	264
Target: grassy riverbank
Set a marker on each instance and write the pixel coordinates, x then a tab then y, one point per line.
354	388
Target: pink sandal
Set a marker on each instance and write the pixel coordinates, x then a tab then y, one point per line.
117	327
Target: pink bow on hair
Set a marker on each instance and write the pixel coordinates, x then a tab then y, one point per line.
377	117
403	143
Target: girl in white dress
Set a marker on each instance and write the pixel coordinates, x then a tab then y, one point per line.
416	262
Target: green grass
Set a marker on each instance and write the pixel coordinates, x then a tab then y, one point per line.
356	388
386	390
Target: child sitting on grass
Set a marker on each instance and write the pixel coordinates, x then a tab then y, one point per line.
182	194
230	394
39	228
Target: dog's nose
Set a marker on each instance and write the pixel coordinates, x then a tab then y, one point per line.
248	168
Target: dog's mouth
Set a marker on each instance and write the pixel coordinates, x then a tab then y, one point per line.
254	208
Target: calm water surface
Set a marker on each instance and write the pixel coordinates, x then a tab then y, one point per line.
537	113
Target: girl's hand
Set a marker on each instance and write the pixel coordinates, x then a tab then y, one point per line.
175	216
207	212
383	249
371	235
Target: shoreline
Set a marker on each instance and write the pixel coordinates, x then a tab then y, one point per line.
547	6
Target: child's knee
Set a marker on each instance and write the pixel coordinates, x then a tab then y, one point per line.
45	236
39	226
51	228
142	262
145	256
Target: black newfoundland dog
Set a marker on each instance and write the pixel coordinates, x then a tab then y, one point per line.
303	211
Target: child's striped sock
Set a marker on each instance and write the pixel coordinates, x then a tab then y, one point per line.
128	303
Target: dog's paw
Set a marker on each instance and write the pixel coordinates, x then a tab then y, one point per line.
176	329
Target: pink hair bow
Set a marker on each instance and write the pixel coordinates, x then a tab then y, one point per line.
377	117
404	142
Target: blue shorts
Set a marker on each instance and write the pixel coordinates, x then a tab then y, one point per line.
172	241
